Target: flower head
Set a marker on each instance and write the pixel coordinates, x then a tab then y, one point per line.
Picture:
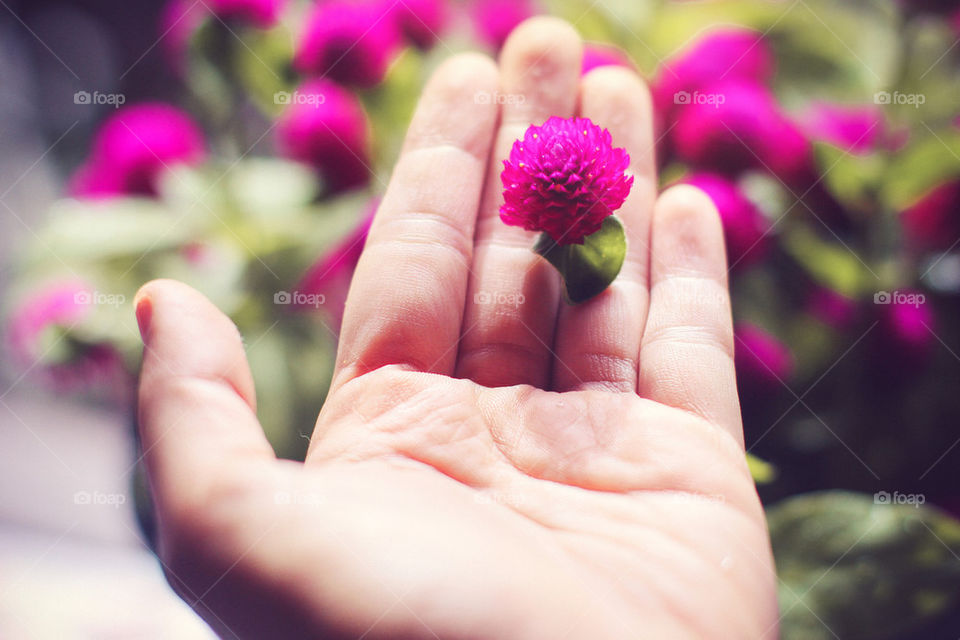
420	21
327	128
855	129
744	227
564	178
134	147
761	359
351	43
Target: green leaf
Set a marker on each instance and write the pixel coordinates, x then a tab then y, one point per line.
927	162
589	268
863	566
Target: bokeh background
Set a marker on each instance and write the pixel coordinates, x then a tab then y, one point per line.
241	146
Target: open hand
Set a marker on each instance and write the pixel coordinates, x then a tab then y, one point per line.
490	462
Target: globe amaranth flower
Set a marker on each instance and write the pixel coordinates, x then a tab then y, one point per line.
761	359
258	13
326	127
493	20
564	178
724	54
134	146
420	21
856	129
932	223
601	55
349	42
745	230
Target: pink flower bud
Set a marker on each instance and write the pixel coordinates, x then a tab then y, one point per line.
331	274
736	125
564	178
601	55
832	307
495	19
420	21
761	358
721	55
856	129
325	126
744	227
933	222
134	146
349	42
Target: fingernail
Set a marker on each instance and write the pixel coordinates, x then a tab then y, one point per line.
144	310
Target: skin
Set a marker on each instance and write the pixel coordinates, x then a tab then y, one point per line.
509	470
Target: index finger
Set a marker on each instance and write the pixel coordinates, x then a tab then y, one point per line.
406	300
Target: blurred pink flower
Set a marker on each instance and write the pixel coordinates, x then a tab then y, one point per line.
325	126
736	125
933	222
744	227
760	357
832	307
908	324
495	19
352	43
856	129
420	21
259	13
61	306
724	54
133	147
601	55
331	274
564	178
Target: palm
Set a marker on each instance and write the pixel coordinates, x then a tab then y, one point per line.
485	466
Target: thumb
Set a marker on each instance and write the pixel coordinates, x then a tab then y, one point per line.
197	409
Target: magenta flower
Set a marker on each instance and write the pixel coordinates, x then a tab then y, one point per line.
349	42
600	55
420	21
856	129
933	222
495	19
737	125
564	178
907	324
32	334
832	307
258	13
726	54
136	145
760	357
744	227
325	126
330	276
